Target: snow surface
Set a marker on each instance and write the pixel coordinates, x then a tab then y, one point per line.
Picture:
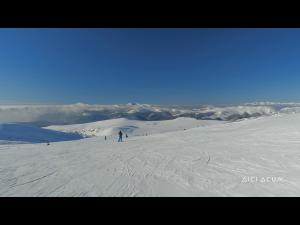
212	160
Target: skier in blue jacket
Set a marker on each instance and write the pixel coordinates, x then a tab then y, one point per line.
120	136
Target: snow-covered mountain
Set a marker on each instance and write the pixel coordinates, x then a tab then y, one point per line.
254	157
132	127
247	150
46	115
20	133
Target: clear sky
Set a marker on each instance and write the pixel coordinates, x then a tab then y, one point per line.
163	66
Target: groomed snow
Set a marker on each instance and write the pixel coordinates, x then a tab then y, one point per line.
214	160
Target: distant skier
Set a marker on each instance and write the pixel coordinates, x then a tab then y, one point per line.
105	138
120	136
126	136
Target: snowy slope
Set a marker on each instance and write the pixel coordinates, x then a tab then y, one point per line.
132	127
17	133
213	160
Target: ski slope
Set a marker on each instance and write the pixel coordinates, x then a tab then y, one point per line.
222	159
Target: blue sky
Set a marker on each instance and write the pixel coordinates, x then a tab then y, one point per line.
162	66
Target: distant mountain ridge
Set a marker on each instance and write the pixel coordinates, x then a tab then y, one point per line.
46	115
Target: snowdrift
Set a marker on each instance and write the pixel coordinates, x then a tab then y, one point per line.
16	133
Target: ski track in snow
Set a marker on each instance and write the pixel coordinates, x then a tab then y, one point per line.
202	161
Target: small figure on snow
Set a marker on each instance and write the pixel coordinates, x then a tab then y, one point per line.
105	138
126	136
120	136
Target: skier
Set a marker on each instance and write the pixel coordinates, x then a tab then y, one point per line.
120	136
126	136
105	138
